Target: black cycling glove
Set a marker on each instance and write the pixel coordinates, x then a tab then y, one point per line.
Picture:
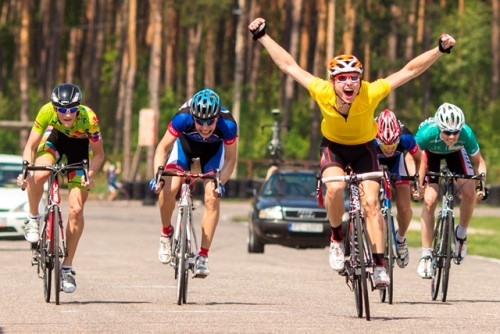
441	46
259	32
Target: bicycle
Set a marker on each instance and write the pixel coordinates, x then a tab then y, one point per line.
50	249
444	230
390	250
359	266
275	147
185	244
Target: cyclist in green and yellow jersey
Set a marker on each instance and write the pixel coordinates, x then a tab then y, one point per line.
348	105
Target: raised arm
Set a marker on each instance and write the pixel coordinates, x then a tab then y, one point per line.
421	63
280	56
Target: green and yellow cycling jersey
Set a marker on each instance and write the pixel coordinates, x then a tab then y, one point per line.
359	126
86	124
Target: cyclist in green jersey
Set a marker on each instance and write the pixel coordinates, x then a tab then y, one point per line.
347	105
63	127
446	136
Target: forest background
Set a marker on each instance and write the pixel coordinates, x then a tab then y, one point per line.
128	55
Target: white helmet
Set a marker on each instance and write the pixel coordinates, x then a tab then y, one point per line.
449	117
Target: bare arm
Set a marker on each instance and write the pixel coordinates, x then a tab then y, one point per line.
31	146
229	162
479	163
164	146
281	57
419	64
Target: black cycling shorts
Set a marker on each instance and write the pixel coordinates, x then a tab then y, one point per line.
457	162
362	158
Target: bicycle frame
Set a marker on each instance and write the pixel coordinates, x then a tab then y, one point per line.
185	243
51	248
359	267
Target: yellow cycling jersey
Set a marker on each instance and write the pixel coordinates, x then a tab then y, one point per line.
86	124
360	126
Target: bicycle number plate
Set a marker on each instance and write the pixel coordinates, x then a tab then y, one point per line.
305	227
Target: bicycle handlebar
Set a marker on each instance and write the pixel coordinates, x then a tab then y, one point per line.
213	175
56	168
446	174
354	177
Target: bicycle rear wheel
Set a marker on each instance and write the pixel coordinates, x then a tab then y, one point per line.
437	260
448	232
360	243
182	263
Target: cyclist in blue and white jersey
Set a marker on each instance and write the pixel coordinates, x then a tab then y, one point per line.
203	129
446	136
393	141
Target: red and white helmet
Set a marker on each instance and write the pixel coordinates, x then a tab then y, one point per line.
389	131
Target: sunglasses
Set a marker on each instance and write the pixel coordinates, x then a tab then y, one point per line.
390	147
344	77
449	133
63	110
206	122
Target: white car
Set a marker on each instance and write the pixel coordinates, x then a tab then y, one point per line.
14	207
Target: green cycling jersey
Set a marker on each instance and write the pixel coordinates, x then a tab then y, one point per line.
428	137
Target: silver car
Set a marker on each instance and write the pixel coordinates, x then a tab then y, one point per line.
14	207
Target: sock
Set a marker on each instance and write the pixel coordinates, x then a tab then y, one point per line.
66	268
379	260
203	252
167	231
461	232
400	239
336	234
426	252
33	217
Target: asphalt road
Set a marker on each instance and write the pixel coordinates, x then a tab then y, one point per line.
123	288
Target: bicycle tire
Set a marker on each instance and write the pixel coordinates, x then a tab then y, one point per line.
447	235
181	264
387	292
437	259
362	268
57	254
45	263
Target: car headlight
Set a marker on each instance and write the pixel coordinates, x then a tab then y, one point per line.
274	212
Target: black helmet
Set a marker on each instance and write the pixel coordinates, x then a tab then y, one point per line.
205	104
66	95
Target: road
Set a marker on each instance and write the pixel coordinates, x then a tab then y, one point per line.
123	288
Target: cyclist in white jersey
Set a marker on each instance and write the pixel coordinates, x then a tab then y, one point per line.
446	136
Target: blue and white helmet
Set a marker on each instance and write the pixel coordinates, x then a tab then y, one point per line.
205	104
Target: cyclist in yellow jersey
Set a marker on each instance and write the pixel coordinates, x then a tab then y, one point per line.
348	106
63	127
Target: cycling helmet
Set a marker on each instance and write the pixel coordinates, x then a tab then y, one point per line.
205	104
66	95
449	117
344	64
389	130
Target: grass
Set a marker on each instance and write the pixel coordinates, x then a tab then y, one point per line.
482	238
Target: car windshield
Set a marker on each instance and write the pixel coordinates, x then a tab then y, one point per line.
290	184
8	174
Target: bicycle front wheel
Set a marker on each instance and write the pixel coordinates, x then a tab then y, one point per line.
361	239
57	254
447	235
181	262
45	264
437	259
387	292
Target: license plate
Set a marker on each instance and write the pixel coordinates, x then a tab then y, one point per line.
3	222
305	227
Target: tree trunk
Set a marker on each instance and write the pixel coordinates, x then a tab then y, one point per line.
351	7
129	89
254	61
171	17
24	41
393	48
194	38
319	70
495	47
366	42
289	80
